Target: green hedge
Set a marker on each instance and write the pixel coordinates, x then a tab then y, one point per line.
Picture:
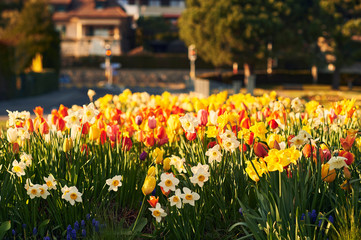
38	83
166	61
279	77
7	77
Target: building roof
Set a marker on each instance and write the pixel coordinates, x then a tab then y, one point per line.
86	9
60	1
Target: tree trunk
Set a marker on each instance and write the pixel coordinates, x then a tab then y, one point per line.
249	78
336	79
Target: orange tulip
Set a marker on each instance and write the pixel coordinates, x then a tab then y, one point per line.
153	201
29	125
347	142
39	111
44	128
350	156
326	174
260	149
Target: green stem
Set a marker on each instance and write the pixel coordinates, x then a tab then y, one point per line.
139	213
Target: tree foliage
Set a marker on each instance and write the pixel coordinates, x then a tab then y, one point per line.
32	32
342	22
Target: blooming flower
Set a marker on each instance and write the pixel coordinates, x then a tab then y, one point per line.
33	191
114	183
189	122
200	177
26	158
43	191
18	168
72	195
176	199
89	113
230	144
214	154
168	182
158	212
189	197
337	162
153	201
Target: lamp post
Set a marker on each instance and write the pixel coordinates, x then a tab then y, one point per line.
108	67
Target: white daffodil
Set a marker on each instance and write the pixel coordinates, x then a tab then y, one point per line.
33	191
298	141
189	197
168	182
26	158
158	212
89	113
73	119
114	183
50	182
43	191
178	163
189	122
214	154
337	162
28	184
228	135
176	199
195	169
73	195
230	144
296	104
304	135
18	168
200	177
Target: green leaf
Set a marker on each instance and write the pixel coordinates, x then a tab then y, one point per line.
4	227
140	225
42	226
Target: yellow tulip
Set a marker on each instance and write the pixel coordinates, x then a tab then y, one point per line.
151	171
166	164
68	144
149	185
157	155
94	133
326	174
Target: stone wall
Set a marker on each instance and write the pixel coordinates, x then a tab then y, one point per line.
130	77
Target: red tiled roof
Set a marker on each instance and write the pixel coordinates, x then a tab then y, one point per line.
59	1
86	9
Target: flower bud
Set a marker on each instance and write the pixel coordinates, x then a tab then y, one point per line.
157	155
202	116
138	120
68	144
143	155
151	171
149	185
44	128
347	173
166	164
326	174
152	122
260	149
12	135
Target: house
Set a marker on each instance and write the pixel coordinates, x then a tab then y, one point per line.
88	27
169	9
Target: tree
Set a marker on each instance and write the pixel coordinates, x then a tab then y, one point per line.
227	31
33	32
342	23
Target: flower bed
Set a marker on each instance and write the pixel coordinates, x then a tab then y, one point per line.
180	167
